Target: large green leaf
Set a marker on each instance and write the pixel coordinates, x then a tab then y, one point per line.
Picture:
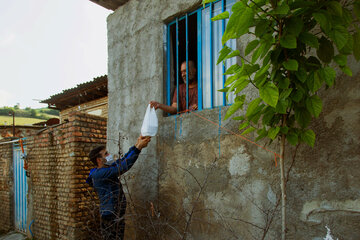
268	114
303	117
346	70
301	75
349	46
239	22
284	130
249	130
282	9
340	59
233	108
244	125
288	41
256	114
230	80
291	65
297	96
329	75
314	105
323	20
239	118
251	46
339	35
308	137
285	93
252	106
261	27
281	106
269	93
248	69
273	132
221	16
284	83
241	84
232	69
309	39
233	54
347	17
261	134
223	89
292	138
325	51
334	8
265	51
314	81
356	47
357	8
259	51
235	84
262	71
294	26
223	53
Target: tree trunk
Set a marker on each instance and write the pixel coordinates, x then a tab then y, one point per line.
283	183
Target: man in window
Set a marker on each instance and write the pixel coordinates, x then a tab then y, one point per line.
193	92
105	180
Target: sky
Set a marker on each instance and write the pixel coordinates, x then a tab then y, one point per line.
47	46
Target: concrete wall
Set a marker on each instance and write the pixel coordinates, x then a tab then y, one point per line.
233	196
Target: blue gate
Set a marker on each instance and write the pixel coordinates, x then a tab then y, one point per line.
20	186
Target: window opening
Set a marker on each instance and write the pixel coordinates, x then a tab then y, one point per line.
199	39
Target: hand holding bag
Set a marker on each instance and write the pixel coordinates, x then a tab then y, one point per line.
150	123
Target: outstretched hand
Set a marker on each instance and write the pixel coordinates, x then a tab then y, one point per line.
142	142
193	107
154	104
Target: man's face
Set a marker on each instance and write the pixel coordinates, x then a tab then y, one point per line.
192	72
103	153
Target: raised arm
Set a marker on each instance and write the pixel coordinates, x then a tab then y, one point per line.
124	164
166	108
131	156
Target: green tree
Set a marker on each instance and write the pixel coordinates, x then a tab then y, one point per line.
295	49
33	113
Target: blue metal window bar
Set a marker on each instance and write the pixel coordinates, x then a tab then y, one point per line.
198	12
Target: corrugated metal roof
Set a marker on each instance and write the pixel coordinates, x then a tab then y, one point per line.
82	93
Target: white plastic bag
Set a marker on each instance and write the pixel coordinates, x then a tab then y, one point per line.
150	123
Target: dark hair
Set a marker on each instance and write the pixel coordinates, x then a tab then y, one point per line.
191	62
95	153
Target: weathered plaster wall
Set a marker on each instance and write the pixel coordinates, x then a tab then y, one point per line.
234	196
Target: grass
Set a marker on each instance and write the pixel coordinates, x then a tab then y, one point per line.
19	120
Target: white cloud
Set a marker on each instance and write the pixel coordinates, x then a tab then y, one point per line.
5	98
7	40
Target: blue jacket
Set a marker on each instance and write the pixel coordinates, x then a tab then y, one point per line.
107	184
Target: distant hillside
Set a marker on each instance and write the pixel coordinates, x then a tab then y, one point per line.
27	115
7	120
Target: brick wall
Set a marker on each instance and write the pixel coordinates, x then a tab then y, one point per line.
20	131
98	107
59	165
6	185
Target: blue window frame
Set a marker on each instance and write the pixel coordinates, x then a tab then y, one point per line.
195	37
